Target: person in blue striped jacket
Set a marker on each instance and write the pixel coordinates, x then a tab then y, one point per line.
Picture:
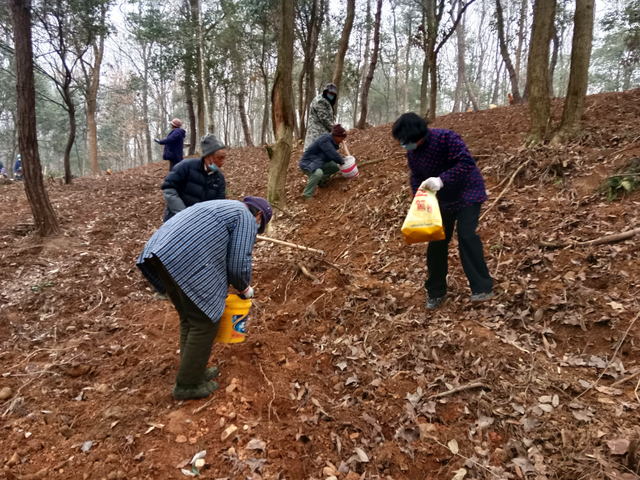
194	257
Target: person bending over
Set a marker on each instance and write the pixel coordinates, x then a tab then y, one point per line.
440	161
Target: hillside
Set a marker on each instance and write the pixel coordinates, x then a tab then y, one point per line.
343	366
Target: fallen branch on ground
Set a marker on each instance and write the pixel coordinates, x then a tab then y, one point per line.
273	392
468	386
625	379
371	162
620	342
598	241
287	244
306	273
199	409
505	189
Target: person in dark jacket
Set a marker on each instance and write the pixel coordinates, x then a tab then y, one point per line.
321	159
440	161
196	180
173	144
17	169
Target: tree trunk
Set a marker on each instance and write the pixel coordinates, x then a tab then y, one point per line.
310	78
265	116
71	110
578	78
504	49
372	68
496	88
396	62
365	64
433	89
538	70
265	80
554	59
521	34
462	67
283	110
424	81
196	19
145	107
406	66
43	213
343	46
193	134
460	83
241	100
93	84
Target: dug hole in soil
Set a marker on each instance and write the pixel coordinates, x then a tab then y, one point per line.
343	373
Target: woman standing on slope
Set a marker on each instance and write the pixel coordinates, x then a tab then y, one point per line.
173	144
440	161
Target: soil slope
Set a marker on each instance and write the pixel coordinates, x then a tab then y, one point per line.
343	372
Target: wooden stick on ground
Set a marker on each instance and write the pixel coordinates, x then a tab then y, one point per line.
620	342
371	162
306	272
505	189
468	386
598	241
625	379
287	244
346	149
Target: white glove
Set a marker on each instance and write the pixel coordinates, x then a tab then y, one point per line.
247	294
434	184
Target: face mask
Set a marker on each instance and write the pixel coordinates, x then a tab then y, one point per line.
213	167
409	145
330	97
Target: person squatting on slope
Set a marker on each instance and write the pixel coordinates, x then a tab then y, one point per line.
193	258
321	159
173	144
440	161
196	180
321	114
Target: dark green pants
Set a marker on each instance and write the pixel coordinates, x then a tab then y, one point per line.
319	176
197	331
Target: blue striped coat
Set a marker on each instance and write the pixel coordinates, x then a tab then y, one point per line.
205	248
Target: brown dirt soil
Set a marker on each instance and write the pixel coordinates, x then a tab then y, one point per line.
349	360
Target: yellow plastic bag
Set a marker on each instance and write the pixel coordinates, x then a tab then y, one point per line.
423	222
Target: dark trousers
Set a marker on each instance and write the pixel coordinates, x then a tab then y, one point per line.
197	331
471	254
173	163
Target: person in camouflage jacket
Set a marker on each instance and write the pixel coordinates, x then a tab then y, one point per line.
321	114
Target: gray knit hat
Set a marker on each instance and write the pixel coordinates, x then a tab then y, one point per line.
210	144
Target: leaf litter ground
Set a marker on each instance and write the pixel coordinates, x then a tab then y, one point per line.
344	374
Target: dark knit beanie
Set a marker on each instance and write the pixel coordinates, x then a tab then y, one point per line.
338	131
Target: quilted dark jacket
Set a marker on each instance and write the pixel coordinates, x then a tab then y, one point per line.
194	184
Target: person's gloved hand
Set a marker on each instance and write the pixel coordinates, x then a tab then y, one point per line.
434	184
247	294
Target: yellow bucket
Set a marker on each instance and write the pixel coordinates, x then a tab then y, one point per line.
233	323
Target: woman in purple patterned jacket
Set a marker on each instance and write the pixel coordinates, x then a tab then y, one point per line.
440	161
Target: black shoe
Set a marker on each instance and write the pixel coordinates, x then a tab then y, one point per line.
433	303
482	297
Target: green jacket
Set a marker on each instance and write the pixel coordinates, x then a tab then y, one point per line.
320	119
